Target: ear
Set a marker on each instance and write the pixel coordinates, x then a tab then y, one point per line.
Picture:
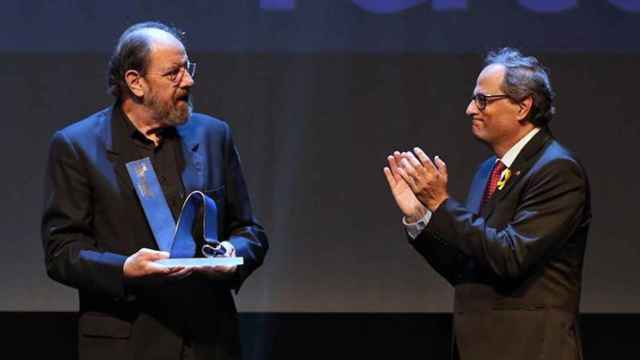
134	82
524	108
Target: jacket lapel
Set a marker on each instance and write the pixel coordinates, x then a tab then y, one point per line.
113	145
476	192
519	168
116	172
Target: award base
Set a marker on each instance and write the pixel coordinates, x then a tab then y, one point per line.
209	261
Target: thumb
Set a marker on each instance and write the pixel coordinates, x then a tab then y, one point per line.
156	255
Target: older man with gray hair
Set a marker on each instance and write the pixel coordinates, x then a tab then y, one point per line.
101	236
514	251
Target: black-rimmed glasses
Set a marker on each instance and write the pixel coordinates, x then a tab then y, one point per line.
483	100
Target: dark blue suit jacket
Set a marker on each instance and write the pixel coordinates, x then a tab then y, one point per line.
516	263
93	220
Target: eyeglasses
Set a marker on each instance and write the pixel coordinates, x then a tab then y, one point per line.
175	75
483	100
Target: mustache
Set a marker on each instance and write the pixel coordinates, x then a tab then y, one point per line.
186	96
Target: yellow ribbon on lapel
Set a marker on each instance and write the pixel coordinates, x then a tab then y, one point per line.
504	177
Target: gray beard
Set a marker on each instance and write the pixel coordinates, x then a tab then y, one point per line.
169	115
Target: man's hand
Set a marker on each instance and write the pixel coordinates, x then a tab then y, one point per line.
219	272
407	201
427	180
141	265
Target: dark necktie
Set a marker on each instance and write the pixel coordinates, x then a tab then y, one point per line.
492	184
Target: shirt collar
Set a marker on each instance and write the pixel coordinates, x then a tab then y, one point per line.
125	126
511	155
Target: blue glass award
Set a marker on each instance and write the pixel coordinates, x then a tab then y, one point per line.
178	239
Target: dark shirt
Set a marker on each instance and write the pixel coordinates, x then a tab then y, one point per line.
167	158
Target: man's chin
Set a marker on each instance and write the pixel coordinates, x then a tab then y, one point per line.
178	121
180	117
475	130
478	134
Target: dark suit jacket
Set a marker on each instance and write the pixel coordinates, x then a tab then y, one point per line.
516	264
93	220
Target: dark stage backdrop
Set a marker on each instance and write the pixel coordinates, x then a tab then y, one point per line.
318	93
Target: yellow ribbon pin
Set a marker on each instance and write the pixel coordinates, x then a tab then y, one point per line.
504	177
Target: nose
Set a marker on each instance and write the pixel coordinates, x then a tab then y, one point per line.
472	109
187	80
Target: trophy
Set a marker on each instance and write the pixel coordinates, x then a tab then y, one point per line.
177	239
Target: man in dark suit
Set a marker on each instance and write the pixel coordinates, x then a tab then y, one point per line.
96	236
514	252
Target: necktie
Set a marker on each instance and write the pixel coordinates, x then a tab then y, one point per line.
496	173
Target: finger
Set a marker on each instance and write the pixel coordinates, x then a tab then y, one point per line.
174	269
398	158
154	255
393	165
213	270
394	161
224	269
424	158
442	167
162	270
389	176
181	274
413	160
408	179
218	269
206	268
143	252
408	168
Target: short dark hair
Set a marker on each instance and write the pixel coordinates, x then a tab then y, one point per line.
132	53
525	76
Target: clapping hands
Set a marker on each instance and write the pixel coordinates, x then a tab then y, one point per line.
416	182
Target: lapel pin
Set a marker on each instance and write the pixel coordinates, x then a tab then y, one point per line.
506	174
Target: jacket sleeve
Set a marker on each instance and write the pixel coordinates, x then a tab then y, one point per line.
71	255
241	228
445	259
550	208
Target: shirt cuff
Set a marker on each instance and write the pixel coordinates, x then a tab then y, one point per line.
416	228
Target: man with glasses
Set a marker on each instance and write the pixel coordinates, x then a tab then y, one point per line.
514	250
97	237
